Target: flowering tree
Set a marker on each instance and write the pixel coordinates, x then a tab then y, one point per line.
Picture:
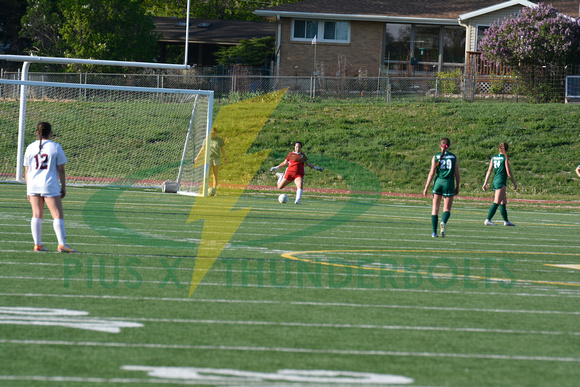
537	36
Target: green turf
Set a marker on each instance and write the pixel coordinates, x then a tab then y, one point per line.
336	284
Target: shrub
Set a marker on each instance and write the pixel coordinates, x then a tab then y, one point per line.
449	81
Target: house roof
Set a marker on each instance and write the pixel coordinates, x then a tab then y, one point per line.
395	10
223	32
497	7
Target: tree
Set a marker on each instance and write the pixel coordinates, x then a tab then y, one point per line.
168	8
12	12
91	29
41	25
212	9
537	36
232	9
538	45
108	29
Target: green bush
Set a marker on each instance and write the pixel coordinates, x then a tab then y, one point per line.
497	84
449	81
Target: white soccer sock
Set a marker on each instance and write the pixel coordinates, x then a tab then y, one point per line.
58	225
36	228
280	177
298	195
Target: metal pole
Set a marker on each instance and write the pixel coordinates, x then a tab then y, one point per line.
21	123
187	35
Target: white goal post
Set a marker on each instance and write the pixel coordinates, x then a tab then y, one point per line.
111	135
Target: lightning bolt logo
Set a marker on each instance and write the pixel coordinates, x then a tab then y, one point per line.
238	123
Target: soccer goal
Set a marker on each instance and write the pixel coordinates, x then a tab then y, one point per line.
111	135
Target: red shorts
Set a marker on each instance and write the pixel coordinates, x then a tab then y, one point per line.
290	175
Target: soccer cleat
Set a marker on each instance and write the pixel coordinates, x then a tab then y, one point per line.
66	249
442	230
489	223
508	223
434	235
40	248
297	202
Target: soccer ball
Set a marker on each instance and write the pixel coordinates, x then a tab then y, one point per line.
283	198
211	191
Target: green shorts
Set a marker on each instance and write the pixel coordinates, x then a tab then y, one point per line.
497	184
445	187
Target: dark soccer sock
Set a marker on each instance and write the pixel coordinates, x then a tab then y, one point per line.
503	212
445	216
492	211
434	221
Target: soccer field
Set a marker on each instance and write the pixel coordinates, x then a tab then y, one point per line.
338	291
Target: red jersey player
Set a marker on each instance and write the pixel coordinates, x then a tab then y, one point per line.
295	171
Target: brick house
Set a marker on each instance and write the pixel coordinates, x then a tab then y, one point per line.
370	37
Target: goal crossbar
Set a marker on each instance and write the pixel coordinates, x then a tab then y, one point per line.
99	62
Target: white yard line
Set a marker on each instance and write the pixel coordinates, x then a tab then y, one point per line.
342	326
292	350
296	303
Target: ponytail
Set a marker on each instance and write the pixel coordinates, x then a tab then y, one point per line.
444	144
43	130
503	148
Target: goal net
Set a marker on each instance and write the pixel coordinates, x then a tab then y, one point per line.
111	135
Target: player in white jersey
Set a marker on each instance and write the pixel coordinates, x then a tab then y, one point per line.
44	166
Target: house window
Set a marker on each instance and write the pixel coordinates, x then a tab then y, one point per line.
325	31
398	40
427	43
454	44
481	30
336	31
414	47
305	29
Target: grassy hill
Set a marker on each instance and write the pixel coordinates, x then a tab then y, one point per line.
364	144
396	141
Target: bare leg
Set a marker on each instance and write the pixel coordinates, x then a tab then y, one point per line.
215	171
54	204
436	204
37	203
500	196
447	203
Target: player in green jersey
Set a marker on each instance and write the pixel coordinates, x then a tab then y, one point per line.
500	164
445	169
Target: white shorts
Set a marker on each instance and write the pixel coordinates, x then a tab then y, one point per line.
47	195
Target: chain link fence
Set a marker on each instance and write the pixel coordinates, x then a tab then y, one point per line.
505	88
